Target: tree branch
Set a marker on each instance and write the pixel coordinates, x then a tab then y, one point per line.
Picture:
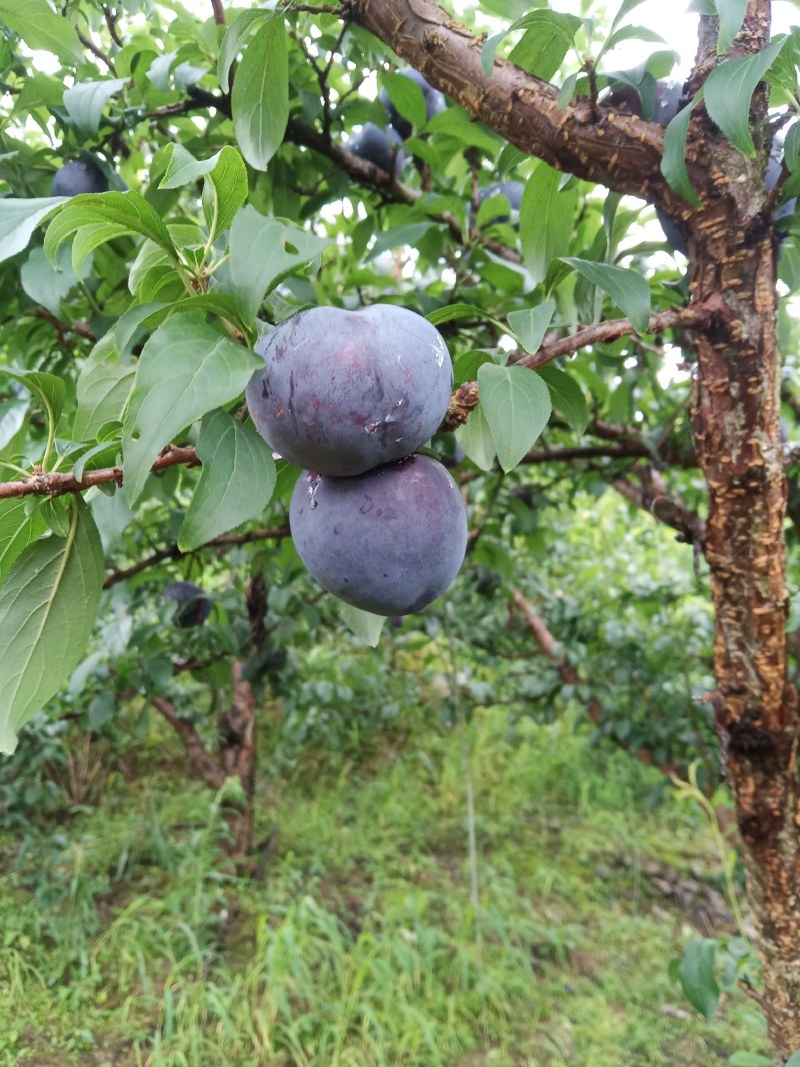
547	646
654	497
225	541
55	484
466	397
202	761
87	42
619	151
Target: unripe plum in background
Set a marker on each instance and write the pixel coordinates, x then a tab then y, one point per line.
78	177
193	606
344	391
379	147
435	102
389	541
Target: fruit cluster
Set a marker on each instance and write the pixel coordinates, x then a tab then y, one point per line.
350	396
382	147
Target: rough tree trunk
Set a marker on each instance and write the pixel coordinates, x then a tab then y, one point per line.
735	416
735	419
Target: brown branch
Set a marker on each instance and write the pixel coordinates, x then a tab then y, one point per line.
225	542
653	496
87	42
633	450
55	484
219	12
80	329
466	396
111	23
619	151
547	646
202	761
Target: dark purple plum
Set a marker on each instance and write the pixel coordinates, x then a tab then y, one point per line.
192	605
378	146
344	391
435	102
78	177
389	541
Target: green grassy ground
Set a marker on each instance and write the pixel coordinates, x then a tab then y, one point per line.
354	941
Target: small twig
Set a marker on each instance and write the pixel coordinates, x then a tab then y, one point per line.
547	645
219	12
81	329
87	42
57	484
111	22
466	396
203	762
225	542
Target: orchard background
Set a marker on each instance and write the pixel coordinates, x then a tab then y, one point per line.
554	817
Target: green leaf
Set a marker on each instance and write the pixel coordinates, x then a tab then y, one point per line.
729	89
17	530
363	623
104	386
451	312
407	97
50	390
408	234
546	217
731	16
517	405
262	251
475	437
530	325
19	218
626	288
236	482
696	973
260	98
673	165
48	604
548	38
39	27
183	168
567	396
85	101
126	212
235	34
224	191
550	33
185	370
47	283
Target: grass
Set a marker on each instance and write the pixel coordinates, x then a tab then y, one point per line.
123	942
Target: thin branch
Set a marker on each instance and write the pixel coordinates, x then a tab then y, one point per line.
81	329
225	542
653	496
56	484
547	646
111	22
633	450
219	12
87	42
202	761
466	396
